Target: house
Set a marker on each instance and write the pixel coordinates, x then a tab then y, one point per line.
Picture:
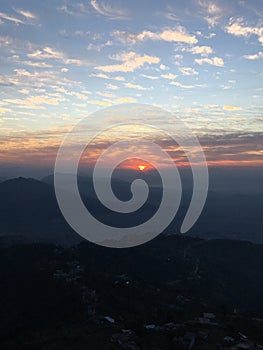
122	279
127	331
189	339
242	336
203	320
228	340
109	319
202	335
169	326
244	346
186	342
91	310
124	340
150	326
209	315
88	295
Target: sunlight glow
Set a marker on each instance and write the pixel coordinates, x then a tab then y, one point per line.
141	167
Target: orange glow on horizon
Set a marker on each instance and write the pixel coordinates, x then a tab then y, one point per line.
35	151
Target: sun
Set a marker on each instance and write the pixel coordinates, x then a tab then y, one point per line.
141	167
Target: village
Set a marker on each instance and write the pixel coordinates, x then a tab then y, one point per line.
206	330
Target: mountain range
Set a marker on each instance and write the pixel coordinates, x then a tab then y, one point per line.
28	208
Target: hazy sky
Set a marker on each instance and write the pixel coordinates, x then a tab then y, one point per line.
62	60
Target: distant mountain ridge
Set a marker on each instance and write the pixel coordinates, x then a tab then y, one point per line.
29	208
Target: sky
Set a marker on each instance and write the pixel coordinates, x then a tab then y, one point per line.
63	60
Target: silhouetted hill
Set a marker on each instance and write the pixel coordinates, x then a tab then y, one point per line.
28	208
120	186
27	199
122	190
232	216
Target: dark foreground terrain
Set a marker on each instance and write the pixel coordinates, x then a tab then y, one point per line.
171	293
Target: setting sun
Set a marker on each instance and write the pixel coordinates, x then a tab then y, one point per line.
141	167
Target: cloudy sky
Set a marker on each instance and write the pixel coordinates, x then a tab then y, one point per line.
63	60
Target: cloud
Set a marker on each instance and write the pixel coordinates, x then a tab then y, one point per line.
201	50
37	64
256	56
32	102
176	83
99	47
7	81
169	76
238	28
105	76
46	53
106	94
171	16
4	110
212	20
76	62
50	53
25	148
74	9
126	100
232	108
80	34
5	41
112	87
134	86
178	59
99	103
178	34
233	149
188	71
212	7
27	14
39	80
107	10
11	18
163	67
215	61
24	91
78	95
130	62
212	12
151	77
